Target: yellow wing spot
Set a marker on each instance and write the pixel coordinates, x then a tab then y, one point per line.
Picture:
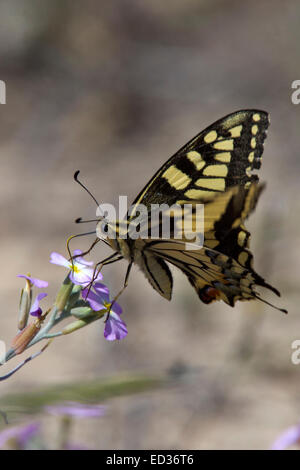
256	117
223	157
243	257
210	235
210	137
248	204
214	184
247	184
236	270
241	238
215	170
254	129
246	282
237	221
224	145
196	159
211	243
251	157
197	194
176	178
253	143
236	131
248	171
234	120
221	258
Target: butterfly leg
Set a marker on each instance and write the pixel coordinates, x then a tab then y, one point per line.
87	252
121	291
110	259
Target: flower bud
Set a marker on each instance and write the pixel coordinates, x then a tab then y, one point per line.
25	303
81	312
64	294
75	296
76	325
24	337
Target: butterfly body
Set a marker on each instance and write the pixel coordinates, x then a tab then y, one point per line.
214	169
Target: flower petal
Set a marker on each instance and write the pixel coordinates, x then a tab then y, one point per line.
117	309
288	438
56	258
26	433
80	259
96	301
99	277
36	282
100	288
22	434
77	410
115	328
82	276
35	310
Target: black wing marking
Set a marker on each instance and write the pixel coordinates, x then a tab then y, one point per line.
221	156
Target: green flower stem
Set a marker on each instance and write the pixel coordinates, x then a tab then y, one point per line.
43	331
67	305
64	432
53	335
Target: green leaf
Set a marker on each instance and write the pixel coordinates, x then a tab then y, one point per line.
94	391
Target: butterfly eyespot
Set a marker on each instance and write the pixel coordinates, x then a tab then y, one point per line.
209	294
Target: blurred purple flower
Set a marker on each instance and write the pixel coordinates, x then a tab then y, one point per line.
36	310
36	282
98	298
80	272
75	446
76	410
289	437
21	435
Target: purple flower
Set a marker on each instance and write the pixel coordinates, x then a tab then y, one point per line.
36	282
81	273
98	298
80	259
288	438
114	328
77	410
36	310
20	435
75	446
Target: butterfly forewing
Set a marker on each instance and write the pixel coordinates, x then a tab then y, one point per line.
221	156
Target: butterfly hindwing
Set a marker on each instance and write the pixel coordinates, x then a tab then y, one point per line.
214	275
157	272
224	222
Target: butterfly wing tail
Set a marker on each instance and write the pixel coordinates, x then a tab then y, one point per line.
233	288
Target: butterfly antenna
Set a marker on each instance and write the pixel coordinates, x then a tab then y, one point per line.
80	221
84	187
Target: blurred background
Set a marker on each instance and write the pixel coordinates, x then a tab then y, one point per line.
113	89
